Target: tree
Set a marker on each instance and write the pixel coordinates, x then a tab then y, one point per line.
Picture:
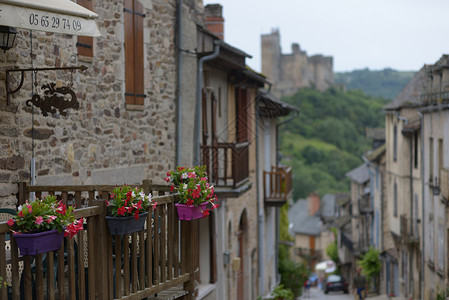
371	265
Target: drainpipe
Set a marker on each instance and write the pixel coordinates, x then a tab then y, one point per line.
411	285
423	259
179	84
199	87
260	207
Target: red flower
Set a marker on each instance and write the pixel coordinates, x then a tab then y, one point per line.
10	222
62	208
121	211
205	212
189	202
136	215
172	188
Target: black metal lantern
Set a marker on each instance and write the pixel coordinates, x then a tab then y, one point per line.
7	37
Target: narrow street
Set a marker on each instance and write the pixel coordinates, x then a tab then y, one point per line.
316	293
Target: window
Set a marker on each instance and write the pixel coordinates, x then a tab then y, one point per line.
431	240
242	115
134	85
441	252
84	44
395	199
395	143
415	150
440	158
431	159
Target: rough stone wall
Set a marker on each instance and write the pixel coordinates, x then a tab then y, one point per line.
102	141
289	72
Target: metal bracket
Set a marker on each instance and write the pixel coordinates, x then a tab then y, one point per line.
9	90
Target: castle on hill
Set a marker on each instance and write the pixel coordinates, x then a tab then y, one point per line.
289	72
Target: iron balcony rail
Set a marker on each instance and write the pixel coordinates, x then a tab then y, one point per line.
227	164
435	98
277	185
409	229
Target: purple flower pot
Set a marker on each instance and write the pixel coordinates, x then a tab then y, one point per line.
126	225
190	212
37	243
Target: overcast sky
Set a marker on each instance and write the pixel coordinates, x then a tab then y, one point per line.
375	34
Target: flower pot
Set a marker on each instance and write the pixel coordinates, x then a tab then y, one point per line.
190	212
37	243
126	225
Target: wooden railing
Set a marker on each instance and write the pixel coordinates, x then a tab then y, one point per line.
277	185
435	98
96	265
227	163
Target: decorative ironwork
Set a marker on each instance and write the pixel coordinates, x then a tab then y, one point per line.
54	98
10	91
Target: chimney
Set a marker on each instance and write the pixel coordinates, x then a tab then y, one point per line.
214	19
314	203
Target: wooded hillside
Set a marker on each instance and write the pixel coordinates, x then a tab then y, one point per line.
328	138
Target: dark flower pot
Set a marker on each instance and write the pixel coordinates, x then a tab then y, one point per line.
190	212
37	243
126	225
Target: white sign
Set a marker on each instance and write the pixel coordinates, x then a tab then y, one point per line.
35	19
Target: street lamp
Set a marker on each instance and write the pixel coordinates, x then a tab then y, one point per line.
7	37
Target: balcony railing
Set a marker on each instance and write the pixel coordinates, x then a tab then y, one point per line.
409	230
435	98
96	265
227	164
277	185
365	205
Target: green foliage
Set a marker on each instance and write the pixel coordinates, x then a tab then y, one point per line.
442	294
284	235
281	293
332	251
293	275
370	263
328	138
386	83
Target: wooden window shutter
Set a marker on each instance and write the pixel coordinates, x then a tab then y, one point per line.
134	52
85	44
242	115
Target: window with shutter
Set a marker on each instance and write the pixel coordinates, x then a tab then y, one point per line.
242	115
134	82
85	44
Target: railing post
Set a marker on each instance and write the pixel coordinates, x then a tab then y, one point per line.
22	194
188	233
101	259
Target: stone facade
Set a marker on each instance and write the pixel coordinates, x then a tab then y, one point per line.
103	141
289	72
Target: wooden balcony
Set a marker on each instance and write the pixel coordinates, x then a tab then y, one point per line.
95	265
227	164
409	230
277	185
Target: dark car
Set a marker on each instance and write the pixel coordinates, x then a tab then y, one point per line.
335	283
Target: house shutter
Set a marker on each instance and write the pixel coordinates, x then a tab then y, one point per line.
242	115
85	44
134	52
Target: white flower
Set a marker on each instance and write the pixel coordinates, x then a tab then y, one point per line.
184	175
19	208
149	197
133	194
184	186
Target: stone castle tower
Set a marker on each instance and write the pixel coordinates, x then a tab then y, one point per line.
289	72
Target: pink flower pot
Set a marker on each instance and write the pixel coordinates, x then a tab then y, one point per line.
37	243
190	212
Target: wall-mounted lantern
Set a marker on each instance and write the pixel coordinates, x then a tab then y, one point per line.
7	37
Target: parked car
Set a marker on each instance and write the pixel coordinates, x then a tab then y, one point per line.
335	283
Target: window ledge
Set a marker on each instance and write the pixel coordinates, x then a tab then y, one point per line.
87	59
134	107
204	290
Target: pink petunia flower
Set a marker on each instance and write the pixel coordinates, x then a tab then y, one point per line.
39	220
10	222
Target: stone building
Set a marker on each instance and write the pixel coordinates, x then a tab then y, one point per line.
289	72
